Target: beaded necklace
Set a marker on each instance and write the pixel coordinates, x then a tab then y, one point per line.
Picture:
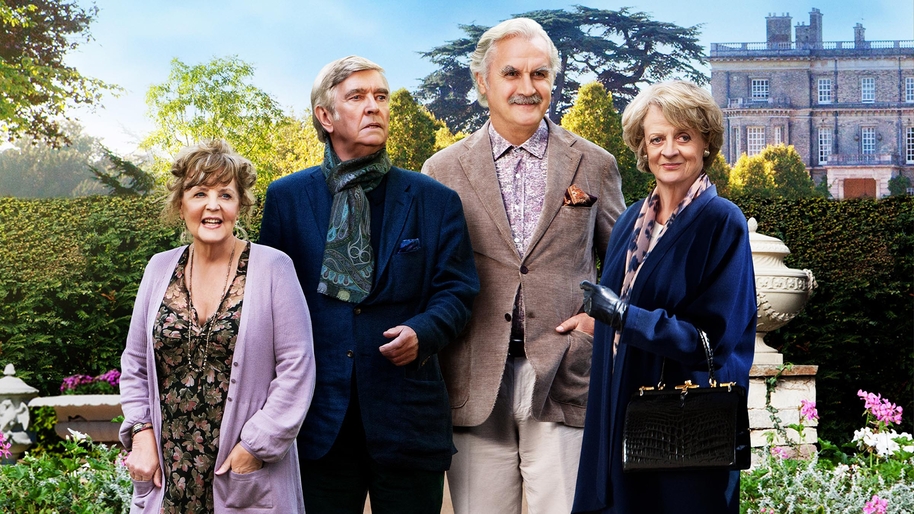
207	328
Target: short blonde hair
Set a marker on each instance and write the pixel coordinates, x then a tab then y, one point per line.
683	104
209	163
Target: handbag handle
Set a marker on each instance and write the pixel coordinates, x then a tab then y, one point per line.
703	337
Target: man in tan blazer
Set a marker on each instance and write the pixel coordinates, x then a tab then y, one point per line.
540	203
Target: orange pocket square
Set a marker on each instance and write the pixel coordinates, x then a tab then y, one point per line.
576	196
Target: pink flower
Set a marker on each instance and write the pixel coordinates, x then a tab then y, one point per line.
883	410
779	452
808	410
875	506
4	447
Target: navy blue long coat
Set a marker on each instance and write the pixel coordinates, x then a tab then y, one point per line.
425	278
699	274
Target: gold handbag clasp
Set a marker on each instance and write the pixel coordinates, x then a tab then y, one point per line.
685	387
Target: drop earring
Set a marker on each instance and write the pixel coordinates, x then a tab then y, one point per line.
706	153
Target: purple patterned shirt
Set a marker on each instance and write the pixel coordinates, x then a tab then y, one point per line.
521	174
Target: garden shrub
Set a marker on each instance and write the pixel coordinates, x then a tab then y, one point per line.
85	478
69	273
857	327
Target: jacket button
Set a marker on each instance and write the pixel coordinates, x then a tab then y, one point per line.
531	315
235	364
357	311
507	317
350	353
229	398
524	270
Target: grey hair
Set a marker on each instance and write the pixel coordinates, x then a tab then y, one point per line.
328	78
515	27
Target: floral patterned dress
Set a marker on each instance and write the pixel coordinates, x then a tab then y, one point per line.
194	365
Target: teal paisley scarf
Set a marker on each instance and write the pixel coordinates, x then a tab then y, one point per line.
348	265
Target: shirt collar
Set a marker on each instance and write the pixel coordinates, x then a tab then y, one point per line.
536	145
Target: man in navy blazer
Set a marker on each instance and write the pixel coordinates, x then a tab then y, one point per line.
384	258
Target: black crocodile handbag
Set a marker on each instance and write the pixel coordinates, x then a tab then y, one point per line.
687	427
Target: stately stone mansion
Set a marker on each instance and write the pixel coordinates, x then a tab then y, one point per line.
846	106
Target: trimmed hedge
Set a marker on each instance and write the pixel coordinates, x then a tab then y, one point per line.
858	327
69	273
70	269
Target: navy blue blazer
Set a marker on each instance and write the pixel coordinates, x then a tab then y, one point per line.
699	274
425	278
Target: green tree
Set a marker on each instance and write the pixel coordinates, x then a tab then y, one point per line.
34	168
594	118
719	173
214	100
622	49
36	86
753	176
412	131
295	146
898	185
122	177
445	138
791	179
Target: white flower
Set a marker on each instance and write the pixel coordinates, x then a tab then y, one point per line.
883	442
76	436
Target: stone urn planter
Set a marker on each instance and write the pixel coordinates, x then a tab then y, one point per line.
89	414
781	292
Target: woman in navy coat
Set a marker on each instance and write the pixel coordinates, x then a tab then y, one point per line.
678	262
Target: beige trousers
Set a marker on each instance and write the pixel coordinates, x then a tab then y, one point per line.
511	455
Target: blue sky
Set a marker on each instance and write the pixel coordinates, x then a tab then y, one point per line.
288	41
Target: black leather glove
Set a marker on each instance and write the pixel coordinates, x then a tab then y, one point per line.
602	304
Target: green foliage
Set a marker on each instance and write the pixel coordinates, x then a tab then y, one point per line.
123	177
295	147
412	132
857	325
752	176
778	171
69	273
37	86
898	185
791	180
594	118
834	479
719	173
210	101
86	478
33	168
623	49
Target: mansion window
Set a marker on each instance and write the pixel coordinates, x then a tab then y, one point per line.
755	140
759	90
824	91
778	137
909	145
868	89
824	145
734	143
868	140
909	89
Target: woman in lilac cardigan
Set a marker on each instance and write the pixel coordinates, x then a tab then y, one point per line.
218	372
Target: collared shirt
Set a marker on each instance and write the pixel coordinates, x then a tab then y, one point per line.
521	174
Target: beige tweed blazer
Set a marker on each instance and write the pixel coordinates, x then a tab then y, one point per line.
562	252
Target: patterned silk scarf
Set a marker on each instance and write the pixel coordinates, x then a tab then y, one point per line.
346	273
643	234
